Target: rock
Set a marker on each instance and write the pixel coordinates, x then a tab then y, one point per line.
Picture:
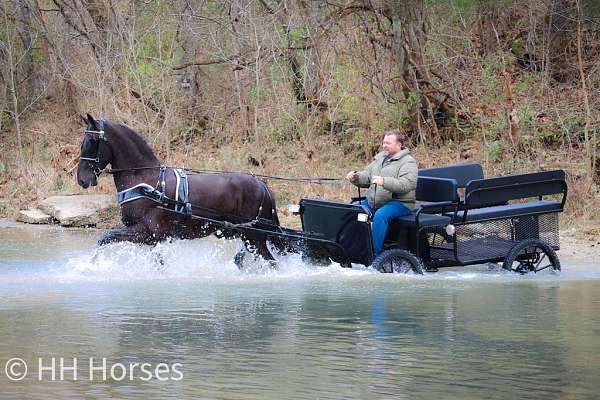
79	210
34	216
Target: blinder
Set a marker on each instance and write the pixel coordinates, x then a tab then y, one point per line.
97	136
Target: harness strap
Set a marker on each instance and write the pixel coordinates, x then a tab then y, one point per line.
182	203
141	191
161	182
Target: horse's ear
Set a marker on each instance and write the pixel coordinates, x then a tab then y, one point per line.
92	122
84	119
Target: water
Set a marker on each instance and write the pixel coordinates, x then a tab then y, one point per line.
298	333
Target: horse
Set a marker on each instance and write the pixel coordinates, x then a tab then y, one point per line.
234	198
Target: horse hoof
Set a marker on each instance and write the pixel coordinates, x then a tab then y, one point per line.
272	265
160	261
238	259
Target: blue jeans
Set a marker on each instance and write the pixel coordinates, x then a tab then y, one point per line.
381	220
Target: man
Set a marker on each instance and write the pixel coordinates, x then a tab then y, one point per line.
392	179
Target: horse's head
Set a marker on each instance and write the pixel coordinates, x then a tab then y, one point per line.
95	153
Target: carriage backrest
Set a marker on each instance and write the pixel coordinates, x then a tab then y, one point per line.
484	192
463	173
436	189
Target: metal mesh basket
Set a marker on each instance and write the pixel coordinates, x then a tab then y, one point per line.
490	240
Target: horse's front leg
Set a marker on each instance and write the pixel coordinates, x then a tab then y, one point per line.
257	247
136	234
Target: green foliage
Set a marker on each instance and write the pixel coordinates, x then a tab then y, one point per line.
154	49
285	127
393	116
299	33
348	106
517	47
296	35
412	99
256	92
550	135
495	128
146	71
525	83
344	76
470	6
378	125
495	151
2	168
525	114
490	81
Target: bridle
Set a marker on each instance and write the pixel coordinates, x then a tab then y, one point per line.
94	159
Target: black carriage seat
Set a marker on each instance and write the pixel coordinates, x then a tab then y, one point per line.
462	173
507	211
425	220
483	195
435	194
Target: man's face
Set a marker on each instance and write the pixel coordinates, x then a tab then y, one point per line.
390	145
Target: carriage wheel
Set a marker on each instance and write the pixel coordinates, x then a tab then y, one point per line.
532	255
397	261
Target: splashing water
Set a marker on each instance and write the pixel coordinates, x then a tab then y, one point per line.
63	257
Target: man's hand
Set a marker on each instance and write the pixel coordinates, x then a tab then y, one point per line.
352	176
378	180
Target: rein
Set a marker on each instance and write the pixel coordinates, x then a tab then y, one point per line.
318	181
102	137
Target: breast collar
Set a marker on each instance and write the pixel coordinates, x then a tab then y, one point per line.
144	191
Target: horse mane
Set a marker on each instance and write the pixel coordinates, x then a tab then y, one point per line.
137	140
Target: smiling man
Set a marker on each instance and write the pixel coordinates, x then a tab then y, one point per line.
392	179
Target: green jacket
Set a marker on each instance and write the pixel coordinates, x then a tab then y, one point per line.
399	174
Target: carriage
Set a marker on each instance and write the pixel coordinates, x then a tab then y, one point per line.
462	219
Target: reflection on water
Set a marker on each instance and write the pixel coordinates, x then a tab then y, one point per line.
301	332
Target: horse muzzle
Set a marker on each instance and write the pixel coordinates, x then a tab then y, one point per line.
87	179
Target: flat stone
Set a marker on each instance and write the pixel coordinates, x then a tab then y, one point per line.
77	210
34	216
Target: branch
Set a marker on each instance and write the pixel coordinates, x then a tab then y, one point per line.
146	102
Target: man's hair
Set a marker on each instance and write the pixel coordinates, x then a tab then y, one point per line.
400	136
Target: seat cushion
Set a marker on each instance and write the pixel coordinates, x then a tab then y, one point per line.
510	210
432	207
424	220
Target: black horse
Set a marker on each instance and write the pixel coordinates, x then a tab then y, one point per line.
237	198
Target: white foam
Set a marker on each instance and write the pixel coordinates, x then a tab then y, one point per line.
212	260
202	260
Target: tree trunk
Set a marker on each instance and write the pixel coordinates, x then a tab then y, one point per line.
12	61
25	29
409	37
235	12
190	79
590	145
